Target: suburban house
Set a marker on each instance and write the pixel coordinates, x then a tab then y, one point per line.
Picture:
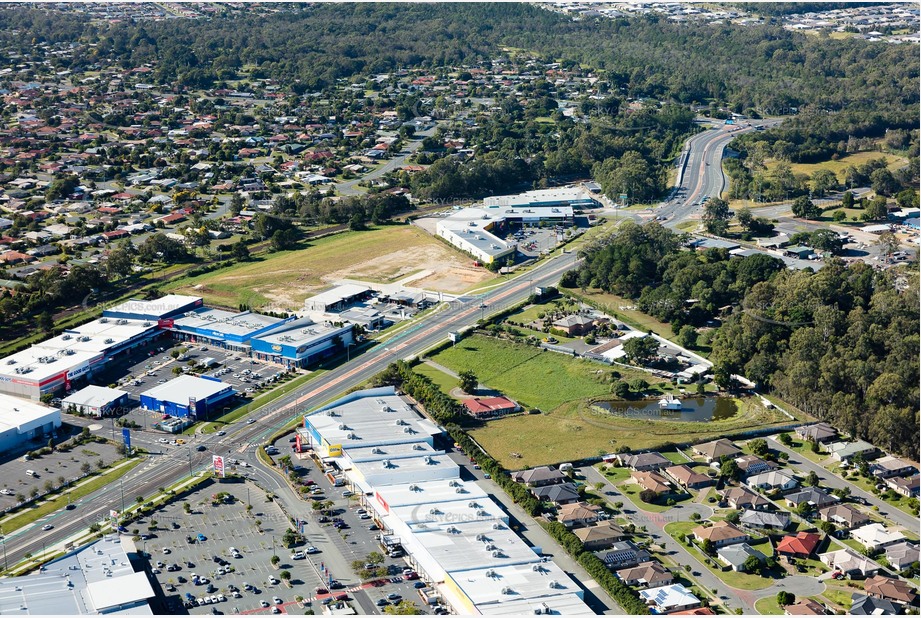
901	555
575	325
686	477
865	605
622	554
850	562
906	486
815	497
773	480
820	433
646	575
875	536
643	462
894	590
805	607
651	481
752	464
765	519
845	451
742	497
490	407
800	545
844	516
888	466
539	477
716	450
735	556
697	611
671	598
578	514
600	536
721	533
564	493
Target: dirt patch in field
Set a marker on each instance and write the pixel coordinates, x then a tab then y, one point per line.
448	272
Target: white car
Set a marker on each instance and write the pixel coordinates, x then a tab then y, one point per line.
312	550
163	441
6	492
263	603
273	581
236	594
47	527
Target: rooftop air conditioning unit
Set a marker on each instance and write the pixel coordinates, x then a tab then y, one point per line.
377	451
386	463
434	511
10	361
546	608
480	537
553	584
350	436
507	590
460	490
452	530
498	526
453	483
400	422
332	413
490	573
386	409
536	568
109	340
428	460
482	513
473	505
343	427
418	447
65	337
408	430
146	323
103	320
413	488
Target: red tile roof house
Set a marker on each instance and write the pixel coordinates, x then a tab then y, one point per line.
15	257
490	407
802	545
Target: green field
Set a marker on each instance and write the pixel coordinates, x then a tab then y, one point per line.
858	158
525	373
284	279
442	380
768	606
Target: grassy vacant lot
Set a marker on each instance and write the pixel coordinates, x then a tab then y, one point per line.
612	303
442	380
858	158
533	377
768	606
286	278
576	430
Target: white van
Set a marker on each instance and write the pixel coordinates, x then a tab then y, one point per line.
31	473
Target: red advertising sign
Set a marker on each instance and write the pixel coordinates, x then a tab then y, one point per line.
382	502
166	323
218	462
297	443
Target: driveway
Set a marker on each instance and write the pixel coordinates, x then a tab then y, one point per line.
655	524
349	187
800	463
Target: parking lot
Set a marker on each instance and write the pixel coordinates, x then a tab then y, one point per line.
244	582
153	365
534	241
55	468
355	540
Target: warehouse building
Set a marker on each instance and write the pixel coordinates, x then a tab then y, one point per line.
477	231
23	421
158	309
224	329
338	298
572	197
71	358
96	401
96	579
189	397
302	342
455	535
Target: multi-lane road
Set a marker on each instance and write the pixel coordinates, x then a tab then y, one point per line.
162	470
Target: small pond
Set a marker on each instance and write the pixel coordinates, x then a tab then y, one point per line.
693	409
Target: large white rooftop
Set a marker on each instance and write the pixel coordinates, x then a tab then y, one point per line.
225	322
566	196
430	493
391	451
23	414
179	390
371	421
36	364
92	396
463	546
96	578
408	469
490	588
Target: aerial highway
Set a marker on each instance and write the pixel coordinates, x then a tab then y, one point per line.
703	176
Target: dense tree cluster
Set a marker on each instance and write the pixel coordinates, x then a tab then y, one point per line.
841	344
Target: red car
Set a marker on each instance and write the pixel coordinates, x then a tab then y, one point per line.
410	576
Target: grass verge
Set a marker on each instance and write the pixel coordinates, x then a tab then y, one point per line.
33	514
